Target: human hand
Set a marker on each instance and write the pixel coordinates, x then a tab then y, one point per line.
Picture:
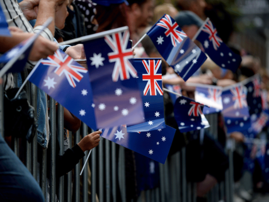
237	136
28	8
42	48
76	52
15	29
90	141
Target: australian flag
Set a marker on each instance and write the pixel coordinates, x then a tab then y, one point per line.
153	144
173	88
4	31
189	115
211	96
149	73
235	108
67	82
176	48
113	79
216	49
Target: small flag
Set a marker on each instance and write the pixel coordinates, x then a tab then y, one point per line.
235	108
67	82
113	79
173	88
153	144
15	59
211	96
176	48
4	31
150	84
216	49
189	115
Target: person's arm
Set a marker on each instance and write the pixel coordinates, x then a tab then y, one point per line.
71	122
71	157
42	47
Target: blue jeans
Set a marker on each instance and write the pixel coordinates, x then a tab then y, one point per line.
16	182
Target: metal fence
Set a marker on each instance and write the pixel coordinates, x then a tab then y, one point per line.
107	166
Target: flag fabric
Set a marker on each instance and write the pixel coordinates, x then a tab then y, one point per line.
176	48
211	96
266	163
259	123
216	49
173	88
67	82
153	144
265	104
249	155
4	31
235	108
16	58
150	84
189	115
113	79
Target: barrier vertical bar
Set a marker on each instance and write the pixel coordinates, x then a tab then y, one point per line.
69	175
85	172
61	141
101	170
114	173
157	194
1	109
77	178
184	180
107	167
53	150
93	169
147	196
44	173
231	176
122	173
189	188
16	146
162	182
173	178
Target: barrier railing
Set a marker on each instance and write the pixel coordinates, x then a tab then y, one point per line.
104	176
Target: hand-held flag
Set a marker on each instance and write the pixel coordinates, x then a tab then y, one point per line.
4	31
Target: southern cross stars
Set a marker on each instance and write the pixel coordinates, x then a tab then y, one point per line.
160	40
146	104
151	152
97	60
119	135
206	44
157	114
84	92
82	112
118	91
182	102
148	134
150	122
50	83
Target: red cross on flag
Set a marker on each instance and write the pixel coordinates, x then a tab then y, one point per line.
239	97
195	110
213	37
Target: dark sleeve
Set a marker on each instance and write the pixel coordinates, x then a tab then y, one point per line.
68	160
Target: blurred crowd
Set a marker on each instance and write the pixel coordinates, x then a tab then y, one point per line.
206	163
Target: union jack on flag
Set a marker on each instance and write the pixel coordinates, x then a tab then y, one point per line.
257	87
195	110
120	55
239	97
65	65
152	77
213	37
214	94
171	30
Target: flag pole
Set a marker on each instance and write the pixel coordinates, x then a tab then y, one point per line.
139	41
200	29
85	162
94	36
165	89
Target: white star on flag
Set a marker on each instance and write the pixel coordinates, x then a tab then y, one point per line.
193	51
50	83
102	106
151	152
226	100
206	44
163	138
125	112
159	130
160	40
118	91
194	61
93	105
146	104
119	135
182	102
181	51
116	108
84	92
148	134
13	52
82	112
150	122
157	114
97	60
133	100
157	143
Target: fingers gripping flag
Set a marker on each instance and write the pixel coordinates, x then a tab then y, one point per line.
175	47
216	49
113	79
150	84
53	76
235	108
189	115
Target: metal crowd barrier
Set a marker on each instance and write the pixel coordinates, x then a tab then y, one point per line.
107	166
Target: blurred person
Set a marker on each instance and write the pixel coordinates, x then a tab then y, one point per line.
196	6
165	8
